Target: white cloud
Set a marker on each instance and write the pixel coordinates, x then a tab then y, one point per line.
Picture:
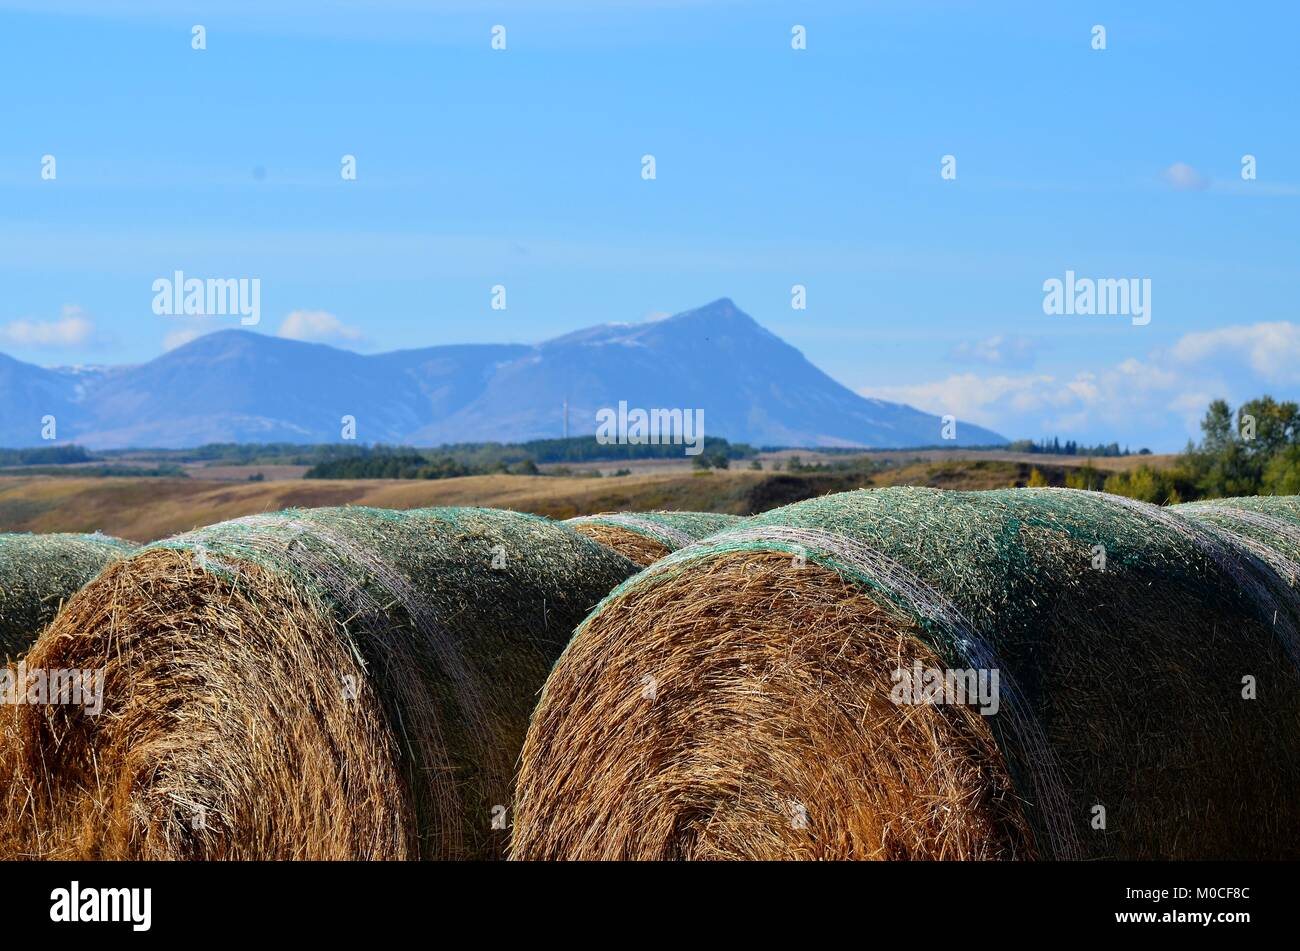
998	350
1184	178
984	400
73	328
1271	350
319	326
1132	400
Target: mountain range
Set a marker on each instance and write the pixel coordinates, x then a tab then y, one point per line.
242	386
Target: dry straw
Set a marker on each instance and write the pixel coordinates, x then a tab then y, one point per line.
317	684
736	699
38	573
14	839
645	537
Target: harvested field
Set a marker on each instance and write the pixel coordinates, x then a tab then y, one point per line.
38	573
737	699
327	684
146	509
645	537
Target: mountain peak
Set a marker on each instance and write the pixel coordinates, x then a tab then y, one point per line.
216	340
719	313
722	309
237	385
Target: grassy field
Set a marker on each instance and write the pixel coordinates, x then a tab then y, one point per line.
145	509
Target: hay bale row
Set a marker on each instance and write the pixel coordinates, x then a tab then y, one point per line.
738	699
645	537
38	573
345	683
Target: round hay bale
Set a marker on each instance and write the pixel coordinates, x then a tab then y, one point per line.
1267	526
345	683
645	537
747	697
40	572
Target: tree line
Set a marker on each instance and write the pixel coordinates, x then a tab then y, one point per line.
1252	451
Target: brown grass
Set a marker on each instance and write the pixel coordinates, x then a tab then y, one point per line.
147	509
770	703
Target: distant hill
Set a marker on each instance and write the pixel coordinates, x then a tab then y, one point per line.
239	386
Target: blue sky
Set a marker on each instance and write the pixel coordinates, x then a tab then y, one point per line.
820	167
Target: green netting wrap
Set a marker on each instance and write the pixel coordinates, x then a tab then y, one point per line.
1266	526
326	683
39	572
1146	664
672	529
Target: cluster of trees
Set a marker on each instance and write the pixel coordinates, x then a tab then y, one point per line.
460	459
1257	453
587	449
410	465
360	461
859	465
44	456
1254	451
243	454
711	460
1055	447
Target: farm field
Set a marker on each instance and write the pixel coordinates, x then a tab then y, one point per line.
144	509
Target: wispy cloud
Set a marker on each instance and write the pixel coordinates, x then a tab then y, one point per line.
319	326
1272	350
1182	177
986	400
999	351
72	328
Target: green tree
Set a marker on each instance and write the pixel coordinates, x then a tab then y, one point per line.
1216	427
1146	484
1246	453
1282	473
1086	476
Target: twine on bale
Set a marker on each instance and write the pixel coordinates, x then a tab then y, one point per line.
1122	635
329	683
40	572
645	537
